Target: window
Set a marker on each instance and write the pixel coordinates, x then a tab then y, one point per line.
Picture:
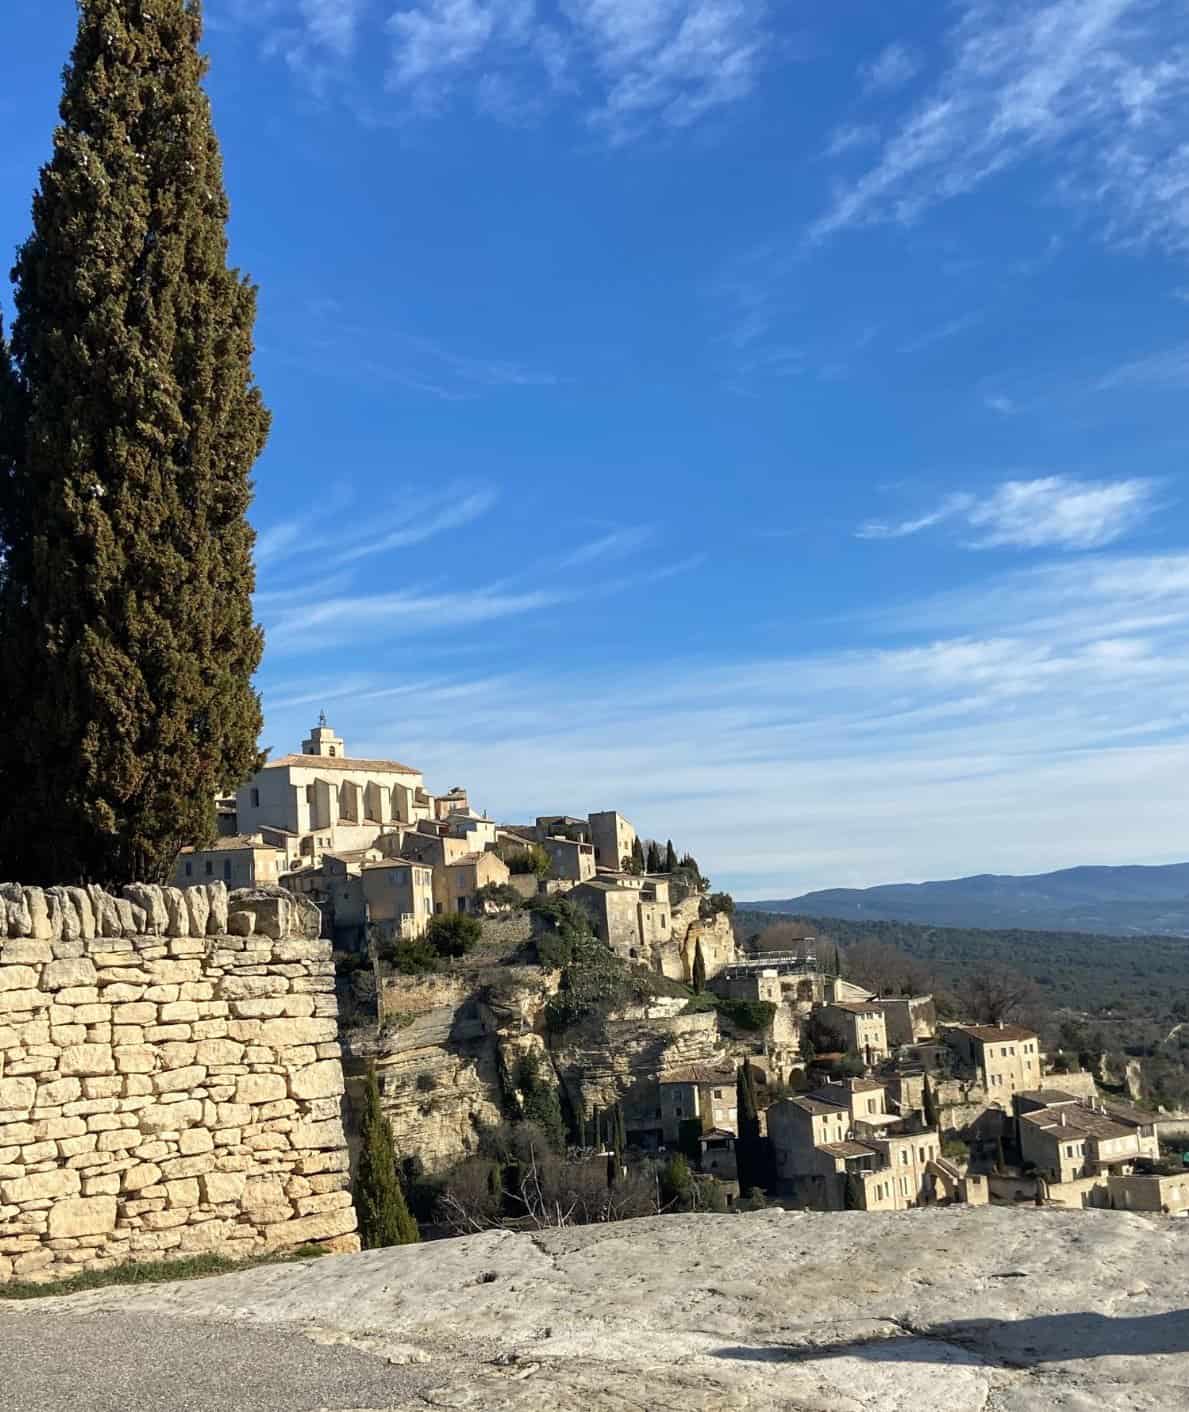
227	869
189	870
333	751
255	799
210	867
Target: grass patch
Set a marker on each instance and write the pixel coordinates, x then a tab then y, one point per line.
148	1272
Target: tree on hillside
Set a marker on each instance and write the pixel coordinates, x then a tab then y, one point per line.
654	858
886	969
995	995
126	629
699	976
637	860
670	857
384	1217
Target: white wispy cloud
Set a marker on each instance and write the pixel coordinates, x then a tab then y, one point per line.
1168	368
892	68
339	538
630	64
615	545
1049	512
998	402
1104	82
1008	727
950	329
850	136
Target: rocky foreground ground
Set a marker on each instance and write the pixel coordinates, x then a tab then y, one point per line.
947	1310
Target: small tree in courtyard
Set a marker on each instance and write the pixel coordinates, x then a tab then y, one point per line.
384	1217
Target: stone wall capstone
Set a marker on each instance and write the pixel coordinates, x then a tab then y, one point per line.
170	1078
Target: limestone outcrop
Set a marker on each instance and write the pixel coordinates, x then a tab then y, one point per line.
170	1078
941	1310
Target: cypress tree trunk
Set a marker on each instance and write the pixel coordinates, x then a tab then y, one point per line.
125	615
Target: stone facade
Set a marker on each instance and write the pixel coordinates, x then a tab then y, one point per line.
170	1078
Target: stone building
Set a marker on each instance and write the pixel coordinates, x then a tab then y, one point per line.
1066	1139
1005	1057
570	859
242	860
1166	1194
698	1092
631	914
908	1018
455	885
613	838
862	1022
398	896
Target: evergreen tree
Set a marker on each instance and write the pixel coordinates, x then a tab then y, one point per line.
747	1146
699	969
637	859
126	623
670	857
379	1200
654	858
929	1104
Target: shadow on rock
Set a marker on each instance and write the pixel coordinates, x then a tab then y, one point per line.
1007	1343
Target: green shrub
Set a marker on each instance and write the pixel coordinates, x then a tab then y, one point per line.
532	860
453	934
410	958
384	1217
749	1015
501	894
539	1102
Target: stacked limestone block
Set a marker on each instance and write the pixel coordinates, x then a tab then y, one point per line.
170	1078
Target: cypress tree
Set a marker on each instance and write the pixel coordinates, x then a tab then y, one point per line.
747	1146
125	608
654	858
384	1217
670	857
929	1104
699	969
637	856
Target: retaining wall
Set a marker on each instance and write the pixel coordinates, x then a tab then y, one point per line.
170	1078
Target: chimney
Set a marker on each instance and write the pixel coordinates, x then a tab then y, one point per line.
1063	1117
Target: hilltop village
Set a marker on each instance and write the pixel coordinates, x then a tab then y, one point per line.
763	1070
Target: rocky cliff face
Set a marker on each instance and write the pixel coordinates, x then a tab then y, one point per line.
941	1310
444	1046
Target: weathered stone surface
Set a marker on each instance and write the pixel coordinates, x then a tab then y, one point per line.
87	1059
176	911
260	1088
199	909
947	1310
39	914
17	1094
324	1080
60	975
83	1216
216	896
241	923
150	899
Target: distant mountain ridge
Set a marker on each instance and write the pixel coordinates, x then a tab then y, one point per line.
1119	901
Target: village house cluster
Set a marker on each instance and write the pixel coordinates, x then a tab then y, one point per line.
380	855
903	1111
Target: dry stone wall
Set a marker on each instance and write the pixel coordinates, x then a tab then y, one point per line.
170	1078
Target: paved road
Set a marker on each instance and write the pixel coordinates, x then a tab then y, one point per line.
139	1363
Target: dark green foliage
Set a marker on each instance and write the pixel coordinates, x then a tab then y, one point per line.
853	1193
654	860
539	1102
676	1181
699	977
501	894
530	860
688	1134
748	1144
637	860
126	629
718	902
558	925
384	1217
750	1015
594	981
454	934
410	958
670	857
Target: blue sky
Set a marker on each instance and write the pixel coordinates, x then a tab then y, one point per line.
768	419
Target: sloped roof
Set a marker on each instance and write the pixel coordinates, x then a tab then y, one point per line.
996	1034
699	1074
232	843
339	762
